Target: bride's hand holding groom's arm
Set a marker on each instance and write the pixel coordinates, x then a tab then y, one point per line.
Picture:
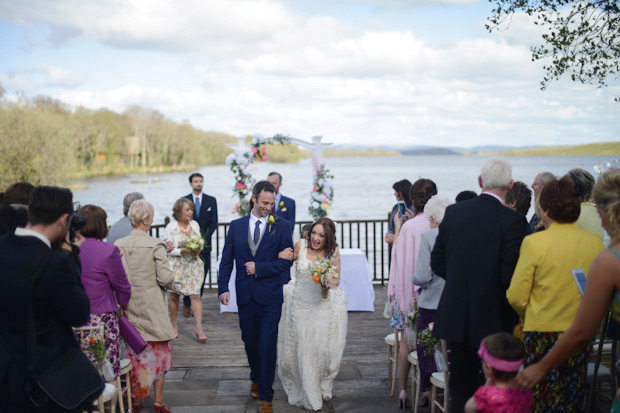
289	253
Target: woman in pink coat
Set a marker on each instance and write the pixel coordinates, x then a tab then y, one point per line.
404	255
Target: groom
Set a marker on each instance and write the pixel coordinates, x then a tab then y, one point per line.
253	243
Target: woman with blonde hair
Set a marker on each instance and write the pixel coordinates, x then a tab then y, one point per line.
147	267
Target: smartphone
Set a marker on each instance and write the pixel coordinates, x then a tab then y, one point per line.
580	279
402	208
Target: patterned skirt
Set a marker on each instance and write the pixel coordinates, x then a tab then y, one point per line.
189	273
564	387
399	317
111	341
150	365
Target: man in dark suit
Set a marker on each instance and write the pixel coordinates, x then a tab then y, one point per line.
476	252
252	245
59	299
284	207
205	213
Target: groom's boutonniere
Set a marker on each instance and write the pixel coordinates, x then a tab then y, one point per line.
272	220
281	206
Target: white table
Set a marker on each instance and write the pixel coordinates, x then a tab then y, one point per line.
355	280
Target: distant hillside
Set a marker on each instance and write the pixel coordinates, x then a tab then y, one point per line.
430	151
359	153
593	149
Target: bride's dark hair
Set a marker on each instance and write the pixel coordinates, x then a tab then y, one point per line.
330	234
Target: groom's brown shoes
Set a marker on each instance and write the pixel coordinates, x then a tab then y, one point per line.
254	390
265	407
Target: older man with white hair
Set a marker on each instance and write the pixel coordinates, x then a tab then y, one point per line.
476	251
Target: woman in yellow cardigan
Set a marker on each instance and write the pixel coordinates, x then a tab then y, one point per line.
544	292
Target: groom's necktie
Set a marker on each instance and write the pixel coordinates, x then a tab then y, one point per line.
197	207
257	232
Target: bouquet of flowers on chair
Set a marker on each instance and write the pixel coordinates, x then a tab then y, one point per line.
194	244
98	351
322	271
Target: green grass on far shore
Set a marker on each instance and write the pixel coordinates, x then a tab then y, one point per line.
593	149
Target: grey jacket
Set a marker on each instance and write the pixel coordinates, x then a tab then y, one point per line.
431	285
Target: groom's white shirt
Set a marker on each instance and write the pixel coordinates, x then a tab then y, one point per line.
263	225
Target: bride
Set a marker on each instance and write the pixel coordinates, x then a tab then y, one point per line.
313	330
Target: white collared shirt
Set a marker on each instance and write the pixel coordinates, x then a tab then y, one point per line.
199	196
253	219
23	232
494	196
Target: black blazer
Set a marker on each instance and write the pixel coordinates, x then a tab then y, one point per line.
208	217
59	303
476	251
286	209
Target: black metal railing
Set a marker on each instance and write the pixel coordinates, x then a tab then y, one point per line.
367	235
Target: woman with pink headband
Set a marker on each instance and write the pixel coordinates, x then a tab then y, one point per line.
502	356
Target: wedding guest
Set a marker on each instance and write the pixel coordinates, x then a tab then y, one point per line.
519	198
284	207
539	183
404	257
589	219
122	227
502	357
465	196
147	267
18	193
104	280
602	293
544	293
205	214
310	351
12	217
60	301
431	287
401	192
476	251
187	268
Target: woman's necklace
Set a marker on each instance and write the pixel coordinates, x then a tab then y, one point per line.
187	230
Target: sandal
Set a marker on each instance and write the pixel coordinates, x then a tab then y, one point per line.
161	407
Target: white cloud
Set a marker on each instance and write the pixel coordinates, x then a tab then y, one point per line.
257	66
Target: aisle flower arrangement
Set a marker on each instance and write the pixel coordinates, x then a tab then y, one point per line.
239	162
322	192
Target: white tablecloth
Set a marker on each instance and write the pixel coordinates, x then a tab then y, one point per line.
355	280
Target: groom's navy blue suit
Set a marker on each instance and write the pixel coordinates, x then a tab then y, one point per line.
259	297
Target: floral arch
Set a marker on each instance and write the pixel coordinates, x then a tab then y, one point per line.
322	193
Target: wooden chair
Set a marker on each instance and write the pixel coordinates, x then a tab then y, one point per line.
124	381
415	380
440	381
393	342
108	399
598	372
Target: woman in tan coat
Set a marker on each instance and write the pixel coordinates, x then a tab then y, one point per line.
146	264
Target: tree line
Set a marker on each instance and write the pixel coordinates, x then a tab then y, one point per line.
45	141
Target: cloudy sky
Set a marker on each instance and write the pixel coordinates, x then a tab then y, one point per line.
364	72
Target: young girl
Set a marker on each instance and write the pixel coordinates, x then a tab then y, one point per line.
502	355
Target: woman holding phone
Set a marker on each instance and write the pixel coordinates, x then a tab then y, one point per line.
403	199
404	256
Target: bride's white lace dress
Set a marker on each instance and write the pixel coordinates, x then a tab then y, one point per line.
311	338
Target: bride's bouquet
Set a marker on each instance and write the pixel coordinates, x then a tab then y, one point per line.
194	243
322	269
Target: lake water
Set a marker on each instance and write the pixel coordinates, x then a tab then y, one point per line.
363	186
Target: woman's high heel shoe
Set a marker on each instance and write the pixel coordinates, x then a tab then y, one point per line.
199	337
160	407
403	400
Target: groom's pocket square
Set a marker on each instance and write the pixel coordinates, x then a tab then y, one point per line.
208	209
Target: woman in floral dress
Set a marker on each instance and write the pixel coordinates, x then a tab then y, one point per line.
186	266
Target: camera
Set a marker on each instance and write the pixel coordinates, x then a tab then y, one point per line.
402	208
77	222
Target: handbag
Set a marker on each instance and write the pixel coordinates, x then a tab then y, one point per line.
131	335
71	380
